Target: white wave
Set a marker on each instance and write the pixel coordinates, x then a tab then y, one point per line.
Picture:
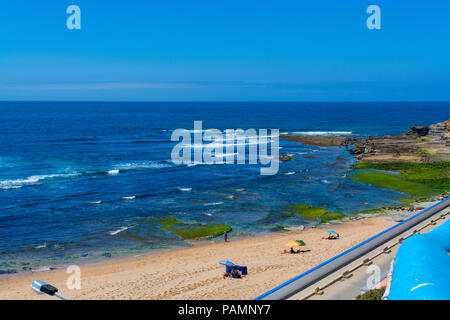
95	202
230	142
203	130
214	160
289	173
325	181
41	246
295	228
213	203
113	172
300	153
322	133
41	269
129	198
32	180
218	145
141	165
223	155
185	189
121	229
240	189
245	138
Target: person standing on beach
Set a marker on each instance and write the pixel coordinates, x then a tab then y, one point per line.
225	236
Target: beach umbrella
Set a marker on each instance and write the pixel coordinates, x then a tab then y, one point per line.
331	232
227	263
294	243
302	243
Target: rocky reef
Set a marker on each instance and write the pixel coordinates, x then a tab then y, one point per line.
285	157
319	141
419	144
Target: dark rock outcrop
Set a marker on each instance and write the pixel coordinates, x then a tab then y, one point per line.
418	131
286	157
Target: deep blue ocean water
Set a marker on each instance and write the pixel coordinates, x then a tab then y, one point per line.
66	168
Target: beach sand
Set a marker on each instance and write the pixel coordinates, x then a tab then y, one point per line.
194	273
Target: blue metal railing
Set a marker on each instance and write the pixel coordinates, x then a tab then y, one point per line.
306	279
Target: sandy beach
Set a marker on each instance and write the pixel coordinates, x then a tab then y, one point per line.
194	273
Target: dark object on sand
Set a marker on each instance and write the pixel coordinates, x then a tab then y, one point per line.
235	274
41	287
241	269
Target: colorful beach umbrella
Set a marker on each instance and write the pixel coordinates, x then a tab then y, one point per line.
302	243
295	243
227	263
331	232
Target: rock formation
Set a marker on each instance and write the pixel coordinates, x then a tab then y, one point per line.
419	144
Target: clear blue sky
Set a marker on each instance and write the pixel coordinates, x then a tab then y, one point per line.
236	50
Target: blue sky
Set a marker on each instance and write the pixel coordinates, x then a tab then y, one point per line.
239	50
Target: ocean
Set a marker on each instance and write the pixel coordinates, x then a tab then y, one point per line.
85	181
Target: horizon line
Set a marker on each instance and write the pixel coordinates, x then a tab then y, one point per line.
227	101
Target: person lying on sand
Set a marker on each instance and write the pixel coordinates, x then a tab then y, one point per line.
293	251
332	237
236	274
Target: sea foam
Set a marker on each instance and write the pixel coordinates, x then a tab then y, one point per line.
142	165
32	180
323	133
121	229
213	203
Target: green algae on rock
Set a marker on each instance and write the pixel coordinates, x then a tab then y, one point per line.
419	180
330	216
194	231
312	213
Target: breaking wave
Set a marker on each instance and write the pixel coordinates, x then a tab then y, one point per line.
32	180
